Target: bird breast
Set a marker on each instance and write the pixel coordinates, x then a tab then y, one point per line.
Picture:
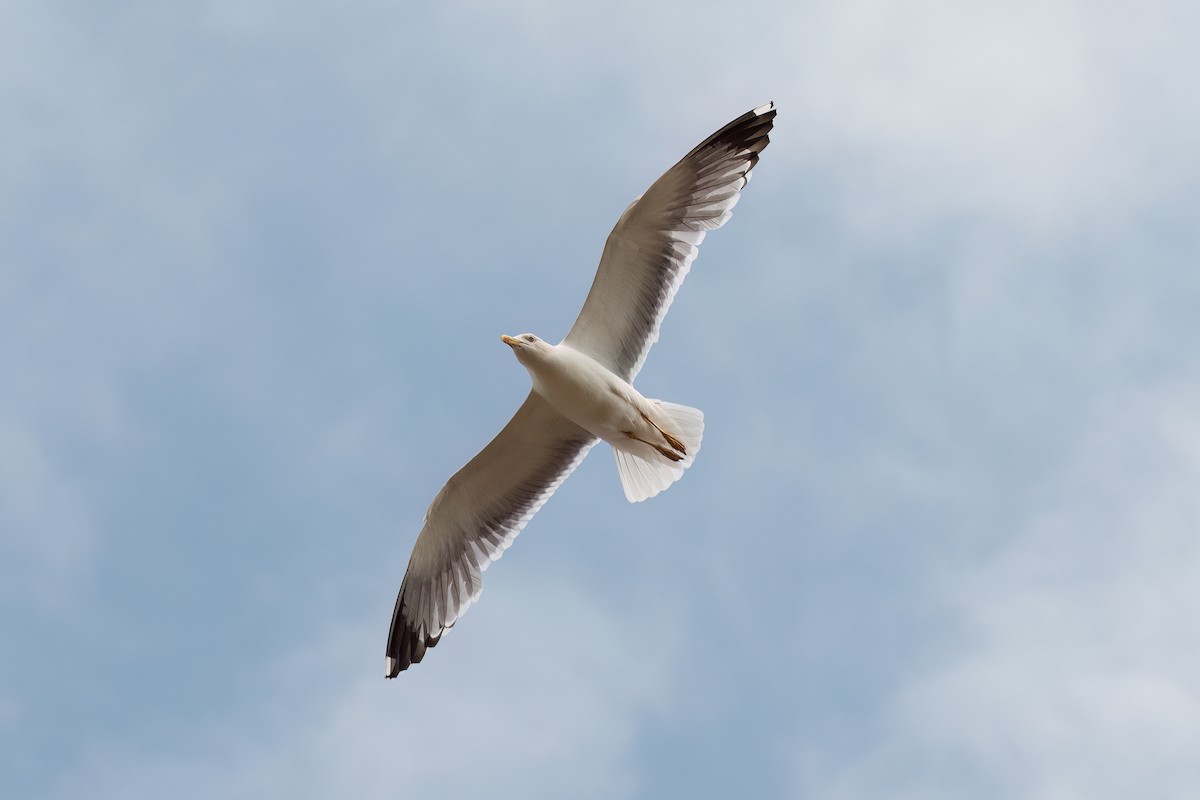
588	393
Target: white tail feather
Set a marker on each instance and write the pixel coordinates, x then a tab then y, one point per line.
686	424
644	471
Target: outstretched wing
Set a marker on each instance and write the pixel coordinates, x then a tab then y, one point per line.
474	518
648	253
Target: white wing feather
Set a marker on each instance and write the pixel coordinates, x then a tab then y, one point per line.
650	250
474	518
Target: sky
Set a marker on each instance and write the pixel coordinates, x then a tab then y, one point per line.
944	533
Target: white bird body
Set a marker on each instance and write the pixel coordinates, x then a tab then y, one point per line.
582	391
657	441
585	391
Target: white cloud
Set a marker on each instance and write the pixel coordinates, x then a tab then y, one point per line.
1075	670
542	700
1041	115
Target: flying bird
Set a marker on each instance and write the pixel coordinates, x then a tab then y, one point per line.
582	392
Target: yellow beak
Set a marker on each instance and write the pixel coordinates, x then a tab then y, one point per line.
509	340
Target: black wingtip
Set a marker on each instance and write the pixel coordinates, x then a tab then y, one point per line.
749	133
406	646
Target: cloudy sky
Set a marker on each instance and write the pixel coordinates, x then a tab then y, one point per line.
944	536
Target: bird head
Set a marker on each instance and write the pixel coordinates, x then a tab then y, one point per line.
526	346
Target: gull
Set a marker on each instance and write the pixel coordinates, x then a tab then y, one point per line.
582	392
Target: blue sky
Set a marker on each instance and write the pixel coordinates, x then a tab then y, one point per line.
942	540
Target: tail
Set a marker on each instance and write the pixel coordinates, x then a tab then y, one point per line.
646	469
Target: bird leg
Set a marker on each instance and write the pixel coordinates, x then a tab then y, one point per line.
665	452
671	440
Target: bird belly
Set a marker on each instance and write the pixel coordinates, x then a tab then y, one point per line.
593	397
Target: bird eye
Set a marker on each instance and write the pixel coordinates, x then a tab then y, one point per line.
531	339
